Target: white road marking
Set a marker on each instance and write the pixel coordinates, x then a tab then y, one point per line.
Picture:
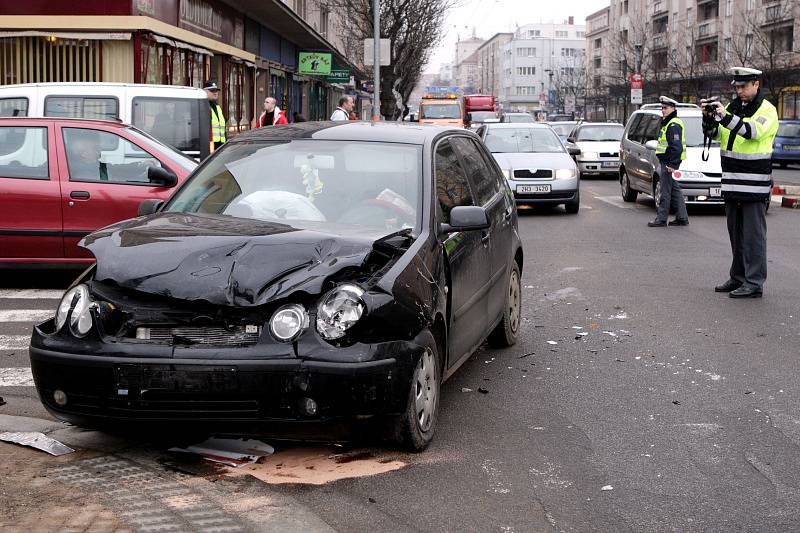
14	342
25	315
616	201
16	377
32	294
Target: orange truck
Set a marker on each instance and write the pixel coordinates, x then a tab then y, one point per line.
441	106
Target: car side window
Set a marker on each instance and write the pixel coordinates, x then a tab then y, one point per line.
14	107
479	174
23	152
452	186
632	134
652	128
95	155
99	107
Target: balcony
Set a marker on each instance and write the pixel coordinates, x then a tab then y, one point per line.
707	30
660	7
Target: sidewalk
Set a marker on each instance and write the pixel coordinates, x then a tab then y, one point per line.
113	485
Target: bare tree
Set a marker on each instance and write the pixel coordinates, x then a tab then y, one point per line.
569	79
414	28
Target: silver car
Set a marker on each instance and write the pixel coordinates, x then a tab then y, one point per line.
539	169
599	146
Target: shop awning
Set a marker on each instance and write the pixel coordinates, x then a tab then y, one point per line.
99	36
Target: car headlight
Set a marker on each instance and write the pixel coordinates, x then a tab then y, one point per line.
565	173
589	155
688	175
339	310
506	174
76	305
288	322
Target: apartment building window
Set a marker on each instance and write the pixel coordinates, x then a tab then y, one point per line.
707	53
526	52
660	60
568	71
526	91
598	80
658	6
782	39
707	11
751	5
726	50
748	46
689	16
598	43
625	6
623	36
324	16
526	71
300	8
580	34
728	8
534	33
569	52
562	34
598	62
660	25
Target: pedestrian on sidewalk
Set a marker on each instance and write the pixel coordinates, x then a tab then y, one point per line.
217	117
343	111
670	152
746	129
272	115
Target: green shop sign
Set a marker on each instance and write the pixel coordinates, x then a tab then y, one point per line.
339	75
315	63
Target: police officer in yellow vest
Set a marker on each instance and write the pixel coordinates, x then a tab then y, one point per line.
217	117
670	152
746	129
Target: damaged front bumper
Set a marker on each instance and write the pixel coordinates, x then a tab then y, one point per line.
96	383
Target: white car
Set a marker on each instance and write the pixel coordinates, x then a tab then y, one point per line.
599	146
640	170
535	162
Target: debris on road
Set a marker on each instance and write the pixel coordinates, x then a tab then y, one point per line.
35	439
675	402
607	487
231	452
483	391
552	342
465	389
523	356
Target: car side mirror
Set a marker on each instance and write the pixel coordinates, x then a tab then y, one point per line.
162	177
148	207
468	118
573	150
651	145
466	218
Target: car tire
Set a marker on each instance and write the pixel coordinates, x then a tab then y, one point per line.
505	333
574	206
628	194
414	429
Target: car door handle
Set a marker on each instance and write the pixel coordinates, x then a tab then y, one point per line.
508	213
485	237
79	195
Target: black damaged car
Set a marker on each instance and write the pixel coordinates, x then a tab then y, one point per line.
304	277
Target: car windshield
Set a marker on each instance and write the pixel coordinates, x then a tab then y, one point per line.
440	111
522	140
366	188
480	116
789	129
563	129
519	118
600	133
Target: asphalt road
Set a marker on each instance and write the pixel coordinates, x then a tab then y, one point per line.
682	403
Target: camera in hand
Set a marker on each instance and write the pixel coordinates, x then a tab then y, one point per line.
710	108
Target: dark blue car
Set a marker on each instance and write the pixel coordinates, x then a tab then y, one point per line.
786	148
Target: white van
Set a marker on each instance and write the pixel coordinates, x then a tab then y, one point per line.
177	116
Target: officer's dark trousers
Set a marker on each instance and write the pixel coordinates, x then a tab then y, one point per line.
747	227
671	195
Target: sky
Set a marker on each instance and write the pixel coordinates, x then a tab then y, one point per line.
492	16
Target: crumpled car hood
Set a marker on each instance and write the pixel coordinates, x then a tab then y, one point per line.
221	260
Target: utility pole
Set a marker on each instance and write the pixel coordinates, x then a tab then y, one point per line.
376	65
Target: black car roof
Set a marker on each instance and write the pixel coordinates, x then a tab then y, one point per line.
395	132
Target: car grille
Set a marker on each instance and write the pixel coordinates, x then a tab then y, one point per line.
541	173
210	336
609	154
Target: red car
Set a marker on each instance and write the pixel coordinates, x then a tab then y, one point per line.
61	179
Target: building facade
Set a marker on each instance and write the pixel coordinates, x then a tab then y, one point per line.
544	67
490	64
685	48
249	47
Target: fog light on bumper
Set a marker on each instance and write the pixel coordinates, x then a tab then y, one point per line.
60	397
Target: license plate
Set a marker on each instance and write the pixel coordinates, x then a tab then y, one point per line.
715	191
534	189
791	147
134	380
607	164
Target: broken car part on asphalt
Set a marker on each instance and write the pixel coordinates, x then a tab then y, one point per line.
35	439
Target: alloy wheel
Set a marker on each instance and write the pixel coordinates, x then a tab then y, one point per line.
425	390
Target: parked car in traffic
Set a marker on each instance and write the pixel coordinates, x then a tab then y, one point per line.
516	118
539	169
563	128
177	116
303	277
61	179
598	143
640	171
786	147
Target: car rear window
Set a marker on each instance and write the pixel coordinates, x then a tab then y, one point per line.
173	121
522	140
94	107
787	129
14	107
600	133
23	152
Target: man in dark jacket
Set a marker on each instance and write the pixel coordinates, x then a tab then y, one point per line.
671	151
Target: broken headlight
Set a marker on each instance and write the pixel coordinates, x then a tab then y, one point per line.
288	322
76	305
339	310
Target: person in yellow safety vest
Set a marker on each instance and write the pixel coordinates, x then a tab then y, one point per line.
217	117
670	152
746	129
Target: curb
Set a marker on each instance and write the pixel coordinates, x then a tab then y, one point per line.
786	190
